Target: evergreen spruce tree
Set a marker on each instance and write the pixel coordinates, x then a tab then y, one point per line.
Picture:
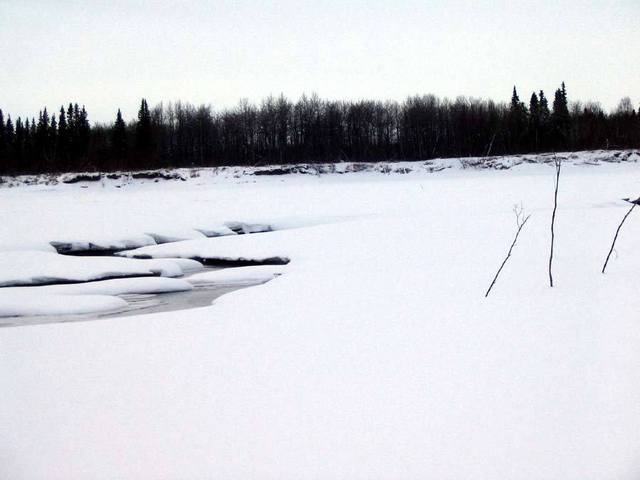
9	136
143	128
517	122
517	107
27	132
32	155
72	137
515	99
9	131
534	121
42	139
544	116
70	117
144	140
53	142
3	145
2	130
119	141
560	118
534	107
63	141
4	154
84	132
18	146
543	108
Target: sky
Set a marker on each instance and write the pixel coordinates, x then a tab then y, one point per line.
109	54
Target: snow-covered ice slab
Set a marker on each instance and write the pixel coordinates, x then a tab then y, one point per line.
241	227
155	237
115	286
216	231
239	275
28	304
101	245
242	249
174	235
82	298
42	268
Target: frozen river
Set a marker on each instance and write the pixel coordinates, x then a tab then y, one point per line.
202	295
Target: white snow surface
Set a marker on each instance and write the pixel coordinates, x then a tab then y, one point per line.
375	355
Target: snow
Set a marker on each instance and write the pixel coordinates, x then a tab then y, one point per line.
374	354
37	268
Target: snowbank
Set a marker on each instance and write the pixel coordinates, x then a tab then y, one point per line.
198	175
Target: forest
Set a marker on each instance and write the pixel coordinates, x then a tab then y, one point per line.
310	130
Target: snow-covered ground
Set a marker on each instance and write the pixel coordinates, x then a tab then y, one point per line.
372	354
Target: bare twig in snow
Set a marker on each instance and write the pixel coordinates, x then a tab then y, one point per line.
521	219
558	163
613	244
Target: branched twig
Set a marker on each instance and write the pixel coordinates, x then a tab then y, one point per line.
613	244
521	219
558	163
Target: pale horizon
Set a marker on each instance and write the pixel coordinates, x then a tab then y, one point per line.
109	55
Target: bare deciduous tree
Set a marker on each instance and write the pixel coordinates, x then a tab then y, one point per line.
521	219
613	244
558	164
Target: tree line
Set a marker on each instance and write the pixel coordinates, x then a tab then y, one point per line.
311	129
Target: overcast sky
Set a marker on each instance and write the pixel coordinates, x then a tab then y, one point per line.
109	54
